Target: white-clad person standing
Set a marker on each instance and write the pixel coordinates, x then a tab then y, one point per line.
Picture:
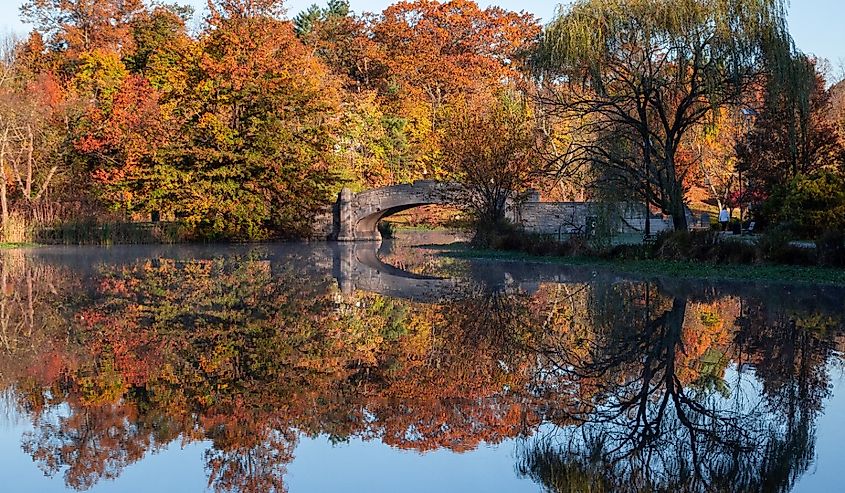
724	218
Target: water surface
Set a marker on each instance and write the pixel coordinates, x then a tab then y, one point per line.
321	367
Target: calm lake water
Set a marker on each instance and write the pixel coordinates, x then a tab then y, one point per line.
322	367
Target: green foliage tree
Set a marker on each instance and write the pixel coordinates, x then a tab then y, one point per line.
814	204
153	32
304	22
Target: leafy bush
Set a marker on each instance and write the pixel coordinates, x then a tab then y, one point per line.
497	236
815	203
629	252
733	252
702	246
774	244
706	246
113	233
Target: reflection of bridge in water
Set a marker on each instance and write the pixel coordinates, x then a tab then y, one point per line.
357	267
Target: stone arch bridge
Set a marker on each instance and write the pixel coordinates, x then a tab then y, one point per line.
355	216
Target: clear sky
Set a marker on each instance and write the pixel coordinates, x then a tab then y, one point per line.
817	25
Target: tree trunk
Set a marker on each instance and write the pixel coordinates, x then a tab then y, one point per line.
30	152
679	217
678	208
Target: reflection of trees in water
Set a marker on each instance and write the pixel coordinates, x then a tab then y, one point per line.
462	387
198	350
657	419
252	463
35	309
91	444
246	354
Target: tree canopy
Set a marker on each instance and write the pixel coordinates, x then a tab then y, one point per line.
247	125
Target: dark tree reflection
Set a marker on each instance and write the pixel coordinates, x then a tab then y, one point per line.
660	416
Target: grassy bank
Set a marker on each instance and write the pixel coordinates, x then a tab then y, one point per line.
12	246
669	268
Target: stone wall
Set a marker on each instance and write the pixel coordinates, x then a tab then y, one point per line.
563	218
325	225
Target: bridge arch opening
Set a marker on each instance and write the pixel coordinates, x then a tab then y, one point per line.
368	226
361	213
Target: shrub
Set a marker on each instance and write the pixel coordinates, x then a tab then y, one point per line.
683	245
707	246
496	236
773	245
733	252
112	233
815	203
629	252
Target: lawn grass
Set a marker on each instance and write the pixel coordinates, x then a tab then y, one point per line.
786	274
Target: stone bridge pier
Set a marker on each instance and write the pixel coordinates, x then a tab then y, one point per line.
359	214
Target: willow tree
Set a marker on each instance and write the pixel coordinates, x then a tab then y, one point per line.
634	77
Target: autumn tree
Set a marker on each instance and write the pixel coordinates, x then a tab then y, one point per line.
654	71
402	69
433	54
493	151
710	151
78	26
837	107
34	115
438	50
156	33
234	9
266	107
792	133
231	134
372	146
342	40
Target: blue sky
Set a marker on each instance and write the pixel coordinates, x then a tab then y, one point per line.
817	25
